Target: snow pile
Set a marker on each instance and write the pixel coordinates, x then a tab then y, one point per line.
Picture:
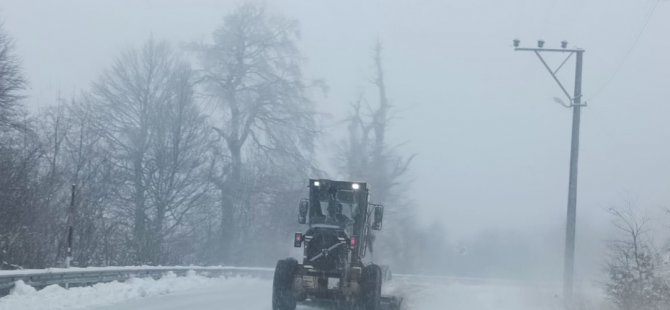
24	297
21	288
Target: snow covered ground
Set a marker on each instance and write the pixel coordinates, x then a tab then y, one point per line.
199	293
54	297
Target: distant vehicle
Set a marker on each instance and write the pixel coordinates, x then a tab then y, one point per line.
340	223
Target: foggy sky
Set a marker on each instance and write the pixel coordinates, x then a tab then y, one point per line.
492	147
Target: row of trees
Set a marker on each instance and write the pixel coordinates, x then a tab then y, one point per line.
182	156
173	157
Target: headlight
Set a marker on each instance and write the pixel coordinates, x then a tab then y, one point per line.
316	183
355	186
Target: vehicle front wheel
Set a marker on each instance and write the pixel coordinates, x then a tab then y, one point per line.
283	297
371	287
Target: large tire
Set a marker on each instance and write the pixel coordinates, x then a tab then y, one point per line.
371	287
283	297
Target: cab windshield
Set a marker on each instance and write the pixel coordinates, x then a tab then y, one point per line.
337	208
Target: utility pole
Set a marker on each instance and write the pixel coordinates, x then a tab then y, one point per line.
575	102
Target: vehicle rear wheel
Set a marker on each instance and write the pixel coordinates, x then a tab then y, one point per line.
371	287
283	297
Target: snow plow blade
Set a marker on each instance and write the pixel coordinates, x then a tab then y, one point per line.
390	303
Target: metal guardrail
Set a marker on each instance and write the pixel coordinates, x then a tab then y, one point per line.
88	276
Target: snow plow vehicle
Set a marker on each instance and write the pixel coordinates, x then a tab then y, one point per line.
333	271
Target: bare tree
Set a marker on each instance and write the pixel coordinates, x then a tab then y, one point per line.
634	282
145	110
53	130
368	156
75	154
12	82
21	223
177	160
252	72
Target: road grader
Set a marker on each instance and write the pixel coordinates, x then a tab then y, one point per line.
333	270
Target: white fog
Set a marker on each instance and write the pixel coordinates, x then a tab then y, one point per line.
466	148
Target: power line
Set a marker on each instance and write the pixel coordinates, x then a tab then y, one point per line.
609	80
547	15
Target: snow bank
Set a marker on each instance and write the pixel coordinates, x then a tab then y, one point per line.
24	297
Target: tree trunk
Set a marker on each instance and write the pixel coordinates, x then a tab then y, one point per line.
379	172
139	232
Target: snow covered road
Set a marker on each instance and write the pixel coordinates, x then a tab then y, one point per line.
251	294
199	293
